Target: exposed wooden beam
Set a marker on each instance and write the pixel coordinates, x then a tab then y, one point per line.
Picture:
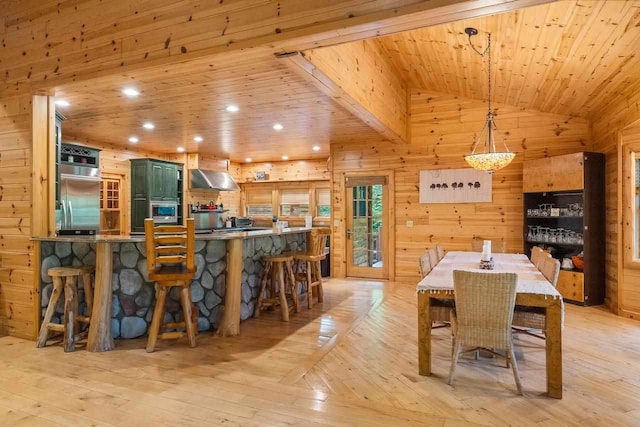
361	81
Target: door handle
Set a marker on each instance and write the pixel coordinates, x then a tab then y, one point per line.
64	213
348	234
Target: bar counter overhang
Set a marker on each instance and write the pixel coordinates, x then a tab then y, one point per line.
224	290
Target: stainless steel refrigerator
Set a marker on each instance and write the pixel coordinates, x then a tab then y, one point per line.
79	211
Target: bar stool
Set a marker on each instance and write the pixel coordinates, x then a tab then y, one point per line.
66	279
282	283
170	253
311	258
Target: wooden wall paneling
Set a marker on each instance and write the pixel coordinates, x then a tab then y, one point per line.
443	131
360	79
18	295
297	170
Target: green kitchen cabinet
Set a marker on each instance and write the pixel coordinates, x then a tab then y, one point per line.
152	180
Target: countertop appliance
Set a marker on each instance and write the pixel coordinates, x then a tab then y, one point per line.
207	216
79	211
242	222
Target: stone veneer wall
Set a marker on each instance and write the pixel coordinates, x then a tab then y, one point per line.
134	295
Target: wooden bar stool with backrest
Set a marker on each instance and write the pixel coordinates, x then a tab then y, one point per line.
277	282
66	279
439	311
171	262
311	258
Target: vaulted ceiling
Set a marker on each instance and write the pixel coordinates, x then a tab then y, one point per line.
569	57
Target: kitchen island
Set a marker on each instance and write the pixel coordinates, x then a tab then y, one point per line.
224	289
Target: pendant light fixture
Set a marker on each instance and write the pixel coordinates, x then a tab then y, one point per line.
489	159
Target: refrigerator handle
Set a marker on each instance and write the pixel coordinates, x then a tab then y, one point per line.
70	213
64	213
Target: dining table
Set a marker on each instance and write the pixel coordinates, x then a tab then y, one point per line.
533	290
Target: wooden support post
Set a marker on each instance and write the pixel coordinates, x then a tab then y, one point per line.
100	338
424	333
554	349
230	325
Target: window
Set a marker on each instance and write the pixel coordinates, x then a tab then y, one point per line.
323	202
259	202
294	201
636	246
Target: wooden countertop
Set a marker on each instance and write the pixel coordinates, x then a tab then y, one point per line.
140	238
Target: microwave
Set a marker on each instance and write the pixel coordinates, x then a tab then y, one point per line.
163	212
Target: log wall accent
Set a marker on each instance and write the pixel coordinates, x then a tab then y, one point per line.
442	132
358	77
17	282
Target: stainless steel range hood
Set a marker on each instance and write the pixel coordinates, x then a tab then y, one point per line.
202	179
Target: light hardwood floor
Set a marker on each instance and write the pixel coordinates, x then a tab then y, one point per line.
350	361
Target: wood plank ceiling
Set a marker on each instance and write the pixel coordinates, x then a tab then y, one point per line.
570	57
186	102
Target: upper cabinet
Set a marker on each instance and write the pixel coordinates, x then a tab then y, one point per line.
559	173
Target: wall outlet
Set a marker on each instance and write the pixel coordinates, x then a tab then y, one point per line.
409	224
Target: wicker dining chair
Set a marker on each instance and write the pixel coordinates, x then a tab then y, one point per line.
532	321
485	304
536	253
550	269
433	257
440	252
440	309
498	246
425	264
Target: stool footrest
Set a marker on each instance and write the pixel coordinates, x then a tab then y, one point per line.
171	335
83	319
55	327
173	325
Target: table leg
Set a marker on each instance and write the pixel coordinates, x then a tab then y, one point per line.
100	338
230	324
424	333
554	349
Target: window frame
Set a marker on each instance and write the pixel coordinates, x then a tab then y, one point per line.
631	213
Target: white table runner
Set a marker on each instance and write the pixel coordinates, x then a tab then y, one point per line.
530	280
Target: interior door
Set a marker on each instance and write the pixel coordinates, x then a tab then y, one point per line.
367	233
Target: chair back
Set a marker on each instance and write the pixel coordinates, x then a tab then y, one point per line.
484	308
425	264
550	269
170	245
440	252
536	253
318	241
433	257
498	246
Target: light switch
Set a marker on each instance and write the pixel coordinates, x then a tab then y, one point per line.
336	223
409	224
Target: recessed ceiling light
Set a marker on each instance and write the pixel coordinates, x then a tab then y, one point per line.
62	103
316	148
180	149
248	160
131	92
232	108
133	139
285	157
148	125
197	138
278	127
